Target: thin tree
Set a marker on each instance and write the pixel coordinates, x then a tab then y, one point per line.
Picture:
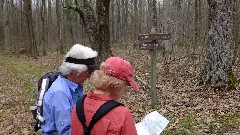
196	19
112	24
118	21
49	22
2	36
43	15
59	26
218	65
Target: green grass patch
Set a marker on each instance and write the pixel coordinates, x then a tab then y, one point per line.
192	125
34	70
188	125
225	123
18	68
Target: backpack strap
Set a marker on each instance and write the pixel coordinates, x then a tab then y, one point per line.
103	110
80	111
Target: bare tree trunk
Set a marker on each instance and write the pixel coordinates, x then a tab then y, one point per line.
149	15
118	22
30	26
196	19
178	13
43	15
112	8
8	35
125	20
59	26
97	28
22	37
236	23
154	14
136	21
70	16
11	17
49	22
2	36
103	38
200	16
140	16
218	65
37	20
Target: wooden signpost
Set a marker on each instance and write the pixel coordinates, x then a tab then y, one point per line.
153	42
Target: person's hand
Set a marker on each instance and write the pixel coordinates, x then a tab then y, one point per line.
154	133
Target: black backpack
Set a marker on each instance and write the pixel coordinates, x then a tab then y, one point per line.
44	83
104	109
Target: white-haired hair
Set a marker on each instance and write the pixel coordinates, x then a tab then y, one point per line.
78	51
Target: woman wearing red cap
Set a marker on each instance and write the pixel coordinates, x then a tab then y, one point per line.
110	83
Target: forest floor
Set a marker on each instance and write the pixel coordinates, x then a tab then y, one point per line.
190	109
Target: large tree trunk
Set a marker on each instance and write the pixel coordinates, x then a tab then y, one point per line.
103	38
218	67
236	33
97	28
30	25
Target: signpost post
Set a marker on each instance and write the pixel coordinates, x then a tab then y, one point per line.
153	42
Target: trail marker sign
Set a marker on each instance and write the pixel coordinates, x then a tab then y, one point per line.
151	45
153	42
157	36
150	41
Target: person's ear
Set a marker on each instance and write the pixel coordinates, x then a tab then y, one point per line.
75	73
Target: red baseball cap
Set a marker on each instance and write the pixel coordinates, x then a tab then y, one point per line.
121	69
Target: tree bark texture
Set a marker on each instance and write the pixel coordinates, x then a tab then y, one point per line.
154	14
218	65
30	25
97	27
236	29
103	37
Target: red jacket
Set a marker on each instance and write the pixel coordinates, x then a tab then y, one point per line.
118	121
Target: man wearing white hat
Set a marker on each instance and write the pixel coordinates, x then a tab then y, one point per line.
59	100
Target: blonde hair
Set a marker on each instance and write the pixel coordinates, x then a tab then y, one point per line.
104	82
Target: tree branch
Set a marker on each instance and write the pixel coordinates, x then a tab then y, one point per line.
16	8
77	9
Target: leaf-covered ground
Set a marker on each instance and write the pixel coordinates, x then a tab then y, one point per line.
190	109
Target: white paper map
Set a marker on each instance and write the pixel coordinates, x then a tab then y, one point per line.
153	122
